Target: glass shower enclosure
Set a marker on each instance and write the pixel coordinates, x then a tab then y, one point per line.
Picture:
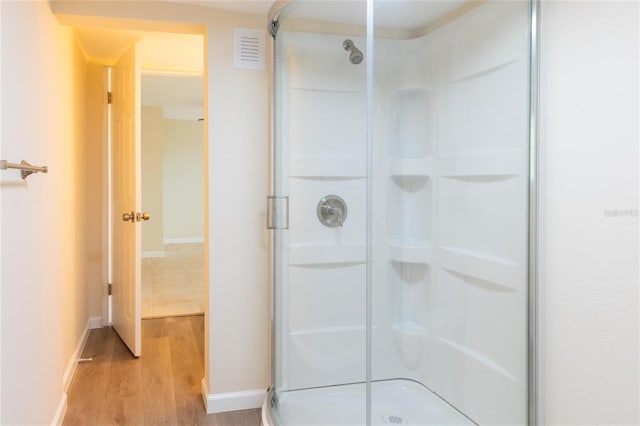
403	210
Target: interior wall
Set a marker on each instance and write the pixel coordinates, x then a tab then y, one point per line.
589	213
238	158
152	186
182	181
186	52
94	201
44	219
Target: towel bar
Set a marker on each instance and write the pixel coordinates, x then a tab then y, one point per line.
26	168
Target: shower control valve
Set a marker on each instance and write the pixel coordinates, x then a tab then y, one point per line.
332	211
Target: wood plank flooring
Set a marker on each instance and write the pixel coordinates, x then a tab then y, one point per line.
162	387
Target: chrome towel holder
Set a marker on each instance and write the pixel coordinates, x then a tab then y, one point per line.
26	168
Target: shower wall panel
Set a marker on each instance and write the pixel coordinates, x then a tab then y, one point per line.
325	132
482	212
451	184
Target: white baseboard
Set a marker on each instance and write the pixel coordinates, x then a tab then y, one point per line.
58	417
232	401
148	254
72	364
192	240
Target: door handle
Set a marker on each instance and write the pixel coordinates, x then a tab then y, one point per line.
129	217
142	216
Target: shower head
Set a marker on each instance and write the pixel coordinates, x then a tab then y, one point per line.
355	55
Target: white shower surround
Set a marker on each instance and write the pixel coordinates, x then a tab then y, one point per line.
450	210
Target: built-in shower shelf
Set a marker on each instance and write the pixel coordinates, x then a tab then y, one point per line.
481	269
327	254
409	251
483	167
420	167
327	167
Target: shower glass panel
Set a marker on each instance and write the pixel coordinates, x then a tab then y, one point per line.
320	262
402	145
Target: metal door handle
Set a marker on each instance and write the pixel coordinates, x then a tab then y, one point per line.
129	217
142	216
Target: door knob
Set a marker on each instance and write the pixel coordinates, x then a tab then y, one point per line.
129	217
142	216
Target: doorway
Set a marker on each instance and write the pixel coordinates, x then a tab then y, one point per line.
173	193
106	46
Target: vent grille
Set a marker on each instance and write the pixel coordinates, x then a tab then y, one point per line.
248	48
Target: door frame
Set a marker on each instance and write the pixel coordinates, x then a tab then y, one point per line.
107	201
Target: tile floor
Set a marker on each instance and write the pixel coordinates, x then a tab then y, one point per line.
174	285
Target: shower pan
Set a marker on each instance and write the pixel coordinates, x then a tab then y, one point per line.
403	211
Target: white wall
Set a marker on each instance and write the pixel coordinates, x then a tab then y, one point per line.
95	169
45	224
183	181
589	168
172	181
152	194
238	244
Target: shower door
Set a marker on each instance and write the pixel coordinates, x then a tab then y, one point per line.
321	146
402	186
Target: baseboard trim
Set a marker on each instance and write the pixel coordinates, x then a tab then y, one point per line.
72	364
70	371
58	417
232	401
148	254
192	240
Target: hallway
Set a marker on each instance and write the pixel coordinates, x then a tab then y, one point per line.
161	387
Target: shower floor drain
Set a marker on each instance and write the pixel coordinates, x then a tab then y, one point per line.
394	419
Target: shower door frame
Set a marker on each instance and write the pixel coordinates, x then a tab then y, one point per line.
534	149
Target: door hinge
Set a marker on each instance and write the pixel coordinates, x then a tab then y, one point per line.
109	289
109	98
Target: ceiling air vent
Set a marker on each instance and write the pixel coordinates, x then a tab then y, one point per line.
248	48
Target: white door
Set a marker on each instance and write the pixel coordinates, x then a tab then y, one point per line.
126	196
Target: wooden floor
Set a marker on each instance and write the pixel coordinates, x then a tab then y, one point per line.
162	387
